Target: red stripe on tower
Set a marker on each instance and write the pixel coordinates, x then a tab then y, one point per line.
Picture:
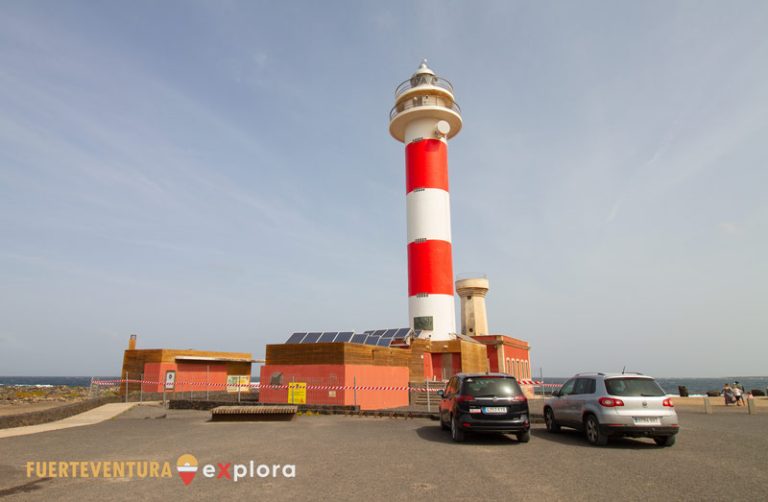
430	268
426	165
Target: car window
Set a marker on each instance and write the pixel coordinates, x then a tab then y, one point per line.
584	386
454	385
490	387
637	387
567	387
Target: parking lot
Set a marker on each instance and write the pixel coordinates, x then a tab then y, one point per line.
717	457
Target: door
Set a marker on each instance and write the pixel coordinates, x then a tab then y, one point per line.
583	390
446	403
560	403
446	361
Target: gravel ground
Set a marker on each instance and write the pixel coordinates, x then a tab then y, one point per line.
717	457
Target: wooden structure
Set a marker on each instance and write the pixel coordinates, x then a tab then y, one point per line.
329	372
382	375
189	370
440	360
253	413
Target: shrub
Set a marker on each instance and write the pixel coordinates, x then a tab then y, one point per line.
757	392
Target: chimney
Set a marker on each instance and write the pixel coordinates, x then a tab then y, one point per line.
132	343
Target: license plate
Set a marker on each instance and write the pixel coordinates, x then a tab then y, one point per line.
647	420
494	409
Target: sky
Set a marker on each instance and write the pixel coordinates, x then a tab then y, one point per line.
217	175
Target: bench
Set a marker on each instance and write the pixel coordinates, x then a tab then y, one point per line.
253	413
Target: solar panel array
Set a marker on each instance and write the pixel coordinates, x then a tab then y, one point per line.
379	337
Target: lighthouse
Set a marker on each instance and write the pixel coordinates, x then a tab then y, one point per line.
378	368
424	118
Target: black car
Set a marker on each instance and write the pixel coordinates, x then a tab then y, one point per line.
484	402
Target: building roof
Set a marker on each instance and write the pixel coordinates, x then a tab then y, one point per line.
218	359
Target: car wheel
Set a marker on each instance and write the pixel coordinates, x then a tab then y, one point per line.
443	425
549	420
664	440
524	437
592	431
456	433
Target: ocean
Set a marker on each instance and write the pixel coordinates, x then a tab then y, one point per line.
696	386
699	386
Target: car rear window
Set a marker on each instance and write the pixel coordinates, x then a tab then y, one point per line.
629	387
489	386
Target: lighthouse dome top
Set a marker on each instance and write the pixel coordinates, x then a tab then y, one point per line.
424	76
424	96
423	69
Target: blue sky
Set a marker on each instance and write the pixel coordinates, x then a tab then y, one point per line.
217	175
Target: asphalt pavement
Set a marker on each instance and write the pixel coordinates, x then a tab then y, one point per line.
717	457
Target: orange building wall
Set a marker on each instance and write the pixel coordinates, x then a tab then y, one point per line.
339	375
187	375
512	349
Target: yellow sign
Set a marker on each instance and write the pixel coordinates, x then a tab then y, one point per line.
297	393
243	382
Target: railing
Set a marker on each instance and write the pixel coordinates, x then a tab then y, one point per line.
424	80
138	390
421	101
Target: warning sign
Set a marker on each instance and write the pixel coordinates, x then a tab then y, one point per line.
297	392
170	380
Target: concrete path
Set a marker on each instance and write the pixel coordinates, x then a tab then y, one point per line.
90	417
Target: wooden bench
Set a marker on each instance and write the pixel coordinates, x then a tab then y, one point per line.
263	413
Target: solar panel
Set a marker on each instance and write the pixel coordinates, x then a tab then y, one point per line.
389	333
328	336
359	338
312	337
379	332
384	342
296	337
344	336
372	340
369	332
402	333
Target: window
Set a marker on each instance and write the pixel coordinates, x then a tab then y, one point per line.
276	378
451	387
490	386
628	387
584	386
567	387
425	323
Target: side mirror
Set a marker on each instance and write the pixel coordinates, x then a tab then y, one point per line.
441	393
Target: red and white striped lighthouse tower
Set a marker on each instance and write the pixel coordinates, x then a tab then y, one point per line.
424	117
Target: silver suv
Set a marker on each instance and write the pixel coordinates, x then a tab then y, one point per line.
605	405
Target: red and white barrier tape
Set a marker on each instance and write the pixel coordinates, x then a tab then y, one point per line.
258	385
